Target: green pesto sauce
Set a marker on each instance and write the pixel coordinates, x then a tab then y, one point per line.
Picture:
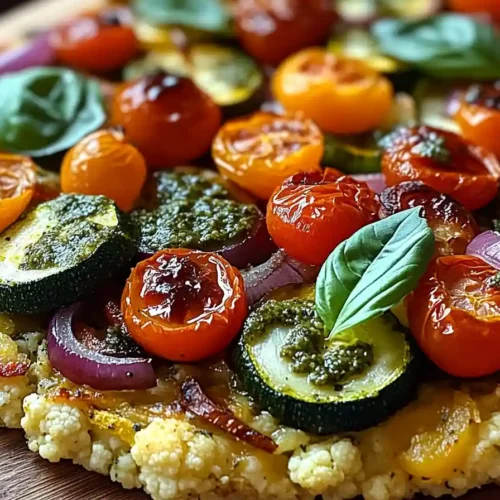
74	236
306	348
192	213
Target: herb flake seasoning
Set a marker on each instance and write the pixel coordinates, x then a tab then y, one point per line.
433	146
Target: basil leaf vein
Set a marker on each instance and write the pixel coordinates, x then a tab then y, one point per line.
373	270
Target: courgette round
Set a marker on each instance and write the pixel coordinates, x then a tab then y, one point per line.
61	251
356	402
230	77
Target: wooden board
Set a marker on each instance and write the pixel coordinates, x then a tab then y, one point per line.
25	475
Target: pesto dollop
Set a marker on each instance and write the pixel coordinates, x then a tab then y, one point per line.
306	347
192	212
78	225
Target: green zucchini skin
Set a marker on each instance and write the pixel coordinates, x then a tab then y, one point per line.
72	283
329	417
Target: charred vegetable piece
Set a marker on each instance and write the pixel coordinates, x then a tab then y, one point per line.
62	250
350	383
198	403
232	79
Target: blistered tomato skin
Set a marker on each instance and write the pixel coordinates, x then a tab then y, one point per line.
17	185
271	31
260	151
96	43
311	213
455	316
104	163
168	118
478	116
184	305
453	225
444	161
343	96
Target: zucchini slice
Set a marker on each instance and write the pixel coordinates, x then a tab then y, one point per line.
359	400
230	77
61	251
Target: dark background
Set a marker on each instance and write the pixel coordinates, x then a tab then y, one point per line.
7	4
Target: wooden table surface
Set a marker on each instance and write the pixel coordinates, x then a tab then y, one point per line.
25	475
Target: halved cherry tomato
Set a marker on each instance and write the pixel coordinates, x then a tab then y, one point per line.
184	305
455	316
271	31
96	43
260	151
491	7
105	163
311	213
17	184
453	225
444	161
478	115
168	118
343	96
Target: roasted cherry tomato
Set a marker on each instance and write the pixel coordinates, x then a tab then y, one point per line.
184	305
311	213
478	115
260	151
271	31
444	161
168	118
105	163
343	96
455	316
47	186
491	7
101	43
453	225
17	185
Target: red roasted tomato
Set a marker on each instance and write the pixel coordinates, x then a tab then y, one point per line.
311	213
271	31
167	118
453	225
454	315
184	305
478	115
444	161
101	43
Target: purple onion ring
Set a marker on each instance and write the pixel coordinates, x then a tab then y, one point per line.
486	246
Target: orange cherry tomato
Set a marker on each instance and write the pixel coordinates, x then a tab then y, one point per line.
444	161
343	96
311	213
260	151
455	316
491	7
168	118
453	225
17	184
184	305
101	43
478	116
105	163
271	31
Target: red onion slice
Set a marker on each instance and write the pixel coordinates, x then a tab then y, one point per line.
486	246
36	52
376	182
280	270
84	366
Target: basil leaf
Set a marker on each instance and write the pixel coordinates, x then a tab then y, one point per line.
47	110
206	15
444	46
373	270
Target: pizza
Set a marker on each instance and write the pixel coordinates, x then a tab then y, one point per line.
250	249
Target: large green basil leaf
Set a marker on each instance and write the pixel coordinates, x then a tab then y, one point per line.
444	46
206	15
373	270
47	110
